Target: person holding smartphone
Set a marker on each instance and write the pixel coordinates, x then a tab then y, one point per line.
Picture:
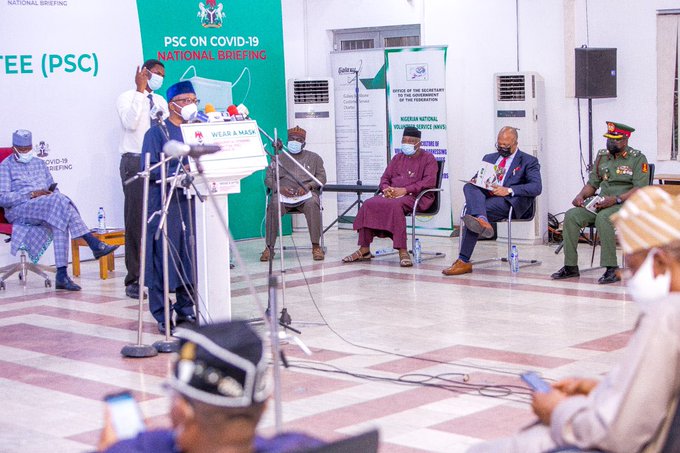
634	406
39	213
137	109
220	386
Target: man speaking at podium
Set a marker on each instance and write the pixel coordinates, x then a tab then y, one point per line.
182	104
298	191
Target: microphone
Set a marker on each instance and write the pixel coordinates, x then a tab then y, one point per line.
235	114
173	148
243	110
209	108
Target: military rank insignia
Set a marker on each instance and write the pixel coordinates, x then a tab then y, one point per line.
645	168
624	170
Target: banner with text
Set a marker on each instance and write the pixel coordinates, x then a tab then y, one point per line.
232	52
416	96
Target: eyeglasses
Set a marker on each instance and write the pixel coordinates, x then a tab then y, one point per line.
187	101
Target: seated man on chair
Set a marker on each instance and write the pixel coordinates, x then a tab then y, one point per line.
618	172
520	176
39	212
631	409
301	192
384	215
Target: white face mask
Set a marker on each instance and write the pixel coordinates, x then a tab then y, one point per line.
294	146
644	288
408	149
24	158
155	82
188	112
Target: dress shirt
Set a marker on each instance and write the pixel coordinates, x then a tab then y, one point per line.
134	111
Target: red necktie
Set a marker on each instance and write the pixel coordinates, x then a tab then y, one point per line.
502	165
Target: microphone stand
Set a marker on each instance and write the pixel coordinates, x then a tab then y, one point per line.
140	350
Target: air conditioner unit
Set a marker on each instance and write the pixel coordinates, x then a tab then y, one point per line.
311	105
519	103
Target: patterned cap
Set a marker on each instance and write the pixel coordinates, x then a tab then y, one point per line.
179	88
299	132
618	130
221	364
22	137
649	218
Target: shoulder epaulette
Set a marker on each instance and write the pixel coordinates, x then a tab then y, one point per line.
602	152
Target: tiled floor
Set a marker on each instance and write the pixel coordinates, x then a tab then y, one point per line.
432	361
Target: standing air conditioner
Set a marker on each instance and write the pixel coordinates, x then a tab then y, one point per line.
311	105
519	103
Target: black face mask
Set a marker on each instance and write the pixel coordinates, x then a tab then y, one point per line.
612	146
504	151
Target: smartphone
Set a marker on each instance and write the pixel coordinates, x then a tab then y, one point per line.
536	383
125	415
52	187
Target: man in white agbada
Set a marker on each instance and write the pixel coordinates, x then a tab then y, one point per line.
632	407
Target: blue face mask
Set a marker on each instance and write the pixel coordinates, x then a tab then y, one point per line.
294	147
408	149
24	158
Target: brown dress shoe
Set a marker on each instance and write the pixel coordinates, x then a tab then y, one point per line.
479	226
265	254
317	253
458	268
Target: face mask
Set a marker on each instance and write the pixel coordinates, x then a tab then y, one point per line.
612	147
188	112
504	151
155	82
408	149
294	147
644	288
24	158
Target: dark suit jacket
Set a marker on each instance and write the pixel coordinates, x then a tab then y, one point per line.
524	178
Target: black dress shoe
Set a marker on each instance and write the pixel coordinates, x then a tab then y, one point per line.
103	249
185	321
67	284
132	291
611	275
566	272
161	328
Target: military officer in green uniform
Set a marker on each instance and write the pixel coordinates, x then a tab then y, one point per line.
618	171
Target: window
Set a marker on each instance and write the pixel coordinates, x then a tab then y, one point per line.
667	39
376	37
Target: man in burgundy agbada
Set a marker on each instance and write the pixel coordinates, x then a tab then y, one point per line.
408	173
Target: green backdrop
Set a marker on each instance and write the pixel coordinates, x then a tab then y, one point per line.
220	39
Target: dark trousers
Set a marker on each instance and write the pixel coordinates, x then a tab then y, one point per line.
132	214
183	307
480	202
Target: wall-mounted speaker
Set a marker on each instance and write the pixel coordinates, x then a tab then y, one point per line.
595	72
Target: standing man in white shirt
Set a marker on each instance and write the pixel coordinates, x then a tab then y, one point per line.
138	109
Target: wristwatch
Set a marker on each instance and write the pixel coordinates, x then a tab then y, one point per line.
512	192
619	200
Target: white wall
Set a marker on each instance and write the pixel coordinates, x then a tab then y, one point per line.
481	36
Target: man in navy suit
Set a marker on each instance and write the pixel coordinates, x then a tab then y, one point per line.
520	176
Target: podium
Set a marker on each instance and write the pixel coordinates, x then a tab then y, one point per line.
241	154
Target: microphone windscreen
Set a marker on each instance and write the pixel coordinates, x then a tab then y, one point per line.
232	110
243	110
175	148
209	108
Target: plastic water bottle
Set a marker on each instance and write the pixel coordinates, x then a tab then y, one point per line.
514	259
417	252
101	220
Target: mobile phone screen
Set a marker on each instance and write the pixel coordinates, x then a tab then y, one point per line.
125	415
536	383
52	187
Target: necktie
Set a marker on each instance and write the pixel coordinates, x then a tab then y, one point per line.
150	96
152	112
501	165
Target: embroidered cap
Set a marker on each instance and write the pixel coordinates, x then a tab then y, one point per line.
22	137
297	132
649	218
618	130
179	88
221	364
